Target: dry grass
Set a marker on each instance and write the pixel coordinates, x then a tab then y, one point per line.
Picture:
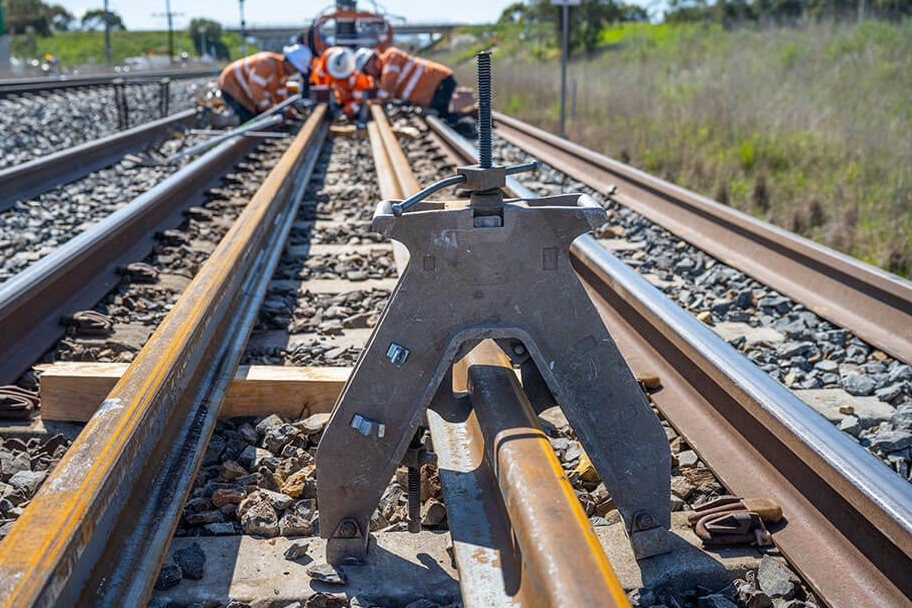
809	128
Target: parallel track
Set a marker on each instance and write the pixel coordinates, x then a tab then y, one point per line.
47	172
10	87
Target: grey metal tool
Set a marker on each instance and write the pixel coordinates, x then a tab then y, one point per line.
490	269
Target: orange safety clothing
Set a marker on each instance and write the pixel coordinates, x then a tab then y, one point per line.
409	78
257	82
351	96
349	92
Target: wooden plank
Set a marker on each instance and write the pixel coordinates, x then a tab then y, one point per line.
73	391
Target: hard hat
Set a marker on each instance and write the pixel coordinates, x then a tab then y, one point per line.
340	62
299	56
362	56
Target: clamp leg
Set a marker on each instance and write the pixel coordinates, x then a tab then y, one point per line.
376	417
609	412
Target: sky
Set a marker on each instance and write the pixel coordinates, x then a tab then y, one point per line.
148	14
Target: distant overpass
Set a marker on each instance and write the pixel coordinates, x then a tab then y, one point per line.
275	36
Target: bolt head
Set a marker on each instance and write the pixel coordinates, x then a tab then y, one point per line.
348	529
644	521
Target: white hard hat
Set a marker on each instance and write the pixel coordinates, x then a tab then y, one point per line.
362	56
340	62
299	56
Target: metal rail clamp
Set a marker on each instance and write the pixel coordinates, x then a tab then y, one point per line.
490	269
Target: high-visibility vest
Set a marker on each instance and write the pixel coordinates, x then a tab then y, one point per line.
258	82
409	78
351	96
349	92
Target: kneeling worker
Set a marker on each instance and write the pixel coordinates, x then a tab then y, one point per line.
421	82
256	83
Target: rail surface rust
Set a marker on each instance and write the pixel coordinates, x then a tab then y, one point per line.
846	511
97	531
874	304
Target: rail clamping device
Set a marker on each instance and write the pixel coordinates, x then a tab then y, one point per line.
489	269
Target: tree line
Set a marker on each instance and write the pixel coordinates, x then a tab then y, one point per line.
589	18
25	16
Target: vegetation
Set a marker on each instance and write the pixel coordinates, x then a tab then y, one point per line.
94	21
209	33
36	16
808	126
76	49
40	29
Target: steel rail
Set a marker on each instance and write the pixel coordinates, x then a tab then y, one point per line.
43	85
82	270
39	175
98	530
846	512
872	303
488	457
560	552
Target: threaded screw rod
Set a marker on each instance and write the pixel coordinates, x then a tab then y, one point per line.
414	500
485	123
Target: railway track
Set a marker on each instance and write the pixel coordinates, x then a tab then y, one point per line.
98	531
22	86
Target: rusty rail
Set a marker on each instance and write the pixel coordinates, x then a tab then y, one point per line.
846	511
97	531
559	550
875	305
47	172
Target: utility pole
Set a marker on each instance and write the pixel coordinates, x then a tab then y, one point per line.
243	30
169	15
565	55
4	44
170	31
107	39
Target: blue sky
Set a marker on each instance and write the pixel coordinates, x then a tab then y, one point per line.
139	15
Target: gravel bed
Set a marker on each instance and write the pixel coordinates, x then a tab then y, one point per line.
344	212
31	229
36	125
815	354
177	257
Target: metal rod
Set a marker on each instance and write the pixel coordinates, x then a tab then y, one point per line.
514	169
564	558
398	208
259	124
485	103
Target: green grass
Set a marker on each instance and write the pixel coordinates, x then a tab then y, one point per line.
77	49
809	128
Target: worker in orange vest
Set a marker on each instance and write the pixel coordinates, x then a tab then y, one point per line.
422	82
256	83
336	69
